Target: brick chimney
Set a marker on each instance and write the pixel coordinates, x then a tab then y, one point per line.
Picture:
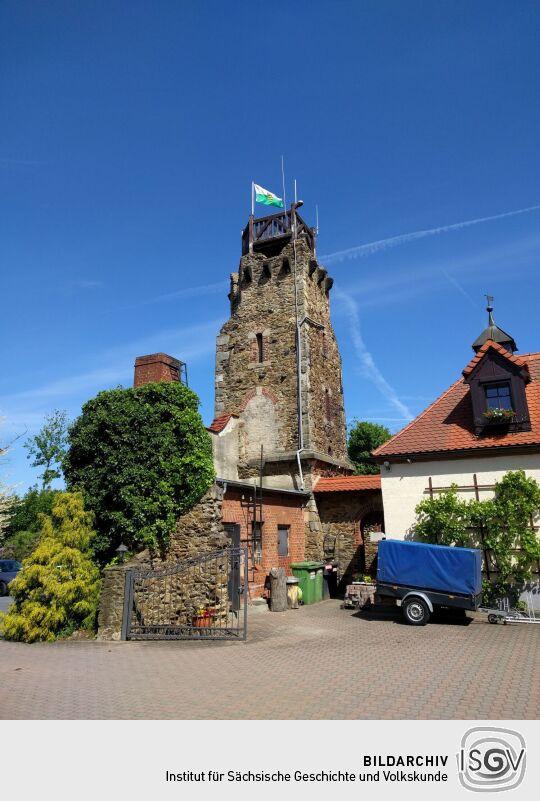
156	367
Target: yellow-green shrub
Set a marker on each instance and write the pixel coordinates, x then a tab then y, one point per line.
57	590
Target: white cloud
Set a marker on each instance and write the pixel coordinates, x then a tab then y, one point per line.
26	409
188	292
370	368
388	286
87	284
394	241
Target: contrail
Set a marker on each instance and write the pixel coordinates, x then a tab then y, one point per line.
394	241
455	283
371	369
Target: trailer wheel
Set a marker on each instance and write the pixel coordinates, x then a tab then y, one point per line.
415	611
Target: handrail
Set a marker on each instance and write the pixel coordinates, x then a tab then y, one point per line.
261	230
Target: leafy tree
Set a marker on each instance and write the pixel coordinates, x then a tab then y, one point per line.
48	447
363	438
19	545
7	502
141	457
501	525
24	526
57	590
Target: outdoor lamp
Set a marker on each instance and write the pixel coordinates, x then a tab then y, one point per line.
121	551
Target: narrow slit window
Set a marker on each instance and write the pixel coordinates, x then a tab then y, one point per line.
327	404
260	348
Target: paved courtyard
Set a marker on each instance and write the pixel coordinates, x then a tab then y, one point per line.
316	662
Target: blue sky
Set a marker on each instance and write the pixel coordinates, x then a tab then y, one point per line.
131	131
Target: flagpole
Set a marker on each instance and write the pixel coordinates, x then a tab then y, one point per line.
250	224
293	221
283	184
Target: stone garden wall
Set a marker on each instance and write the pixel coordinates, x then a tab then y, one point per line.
177	597
349	517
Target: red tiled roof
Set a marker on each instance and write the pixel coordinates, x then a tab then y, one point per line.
219	423
448	425
348	484
489	343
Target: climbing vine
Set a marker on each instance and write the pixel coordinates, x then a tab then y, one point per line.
501	525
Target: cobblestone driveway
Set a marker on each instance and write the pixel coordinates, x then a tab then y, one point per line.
317	662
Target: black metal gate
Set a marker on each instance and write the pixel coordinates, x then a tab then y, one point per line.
204	598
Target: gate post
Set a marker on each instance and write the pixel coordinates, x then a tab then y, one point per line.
128	604
111	603
246	589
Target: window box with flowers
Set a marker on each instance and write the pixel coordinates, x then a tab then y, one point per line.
496	415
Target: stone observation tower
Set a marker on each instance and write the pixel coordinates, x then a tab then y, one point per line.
278	368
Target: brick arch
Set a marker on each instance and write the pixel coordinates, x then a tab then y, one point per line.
372	521
268	393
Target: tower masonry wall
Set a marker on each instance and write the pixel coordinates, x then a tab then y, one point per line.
256	362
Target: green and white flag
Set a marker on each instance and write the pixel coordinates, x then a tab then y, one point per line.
266	197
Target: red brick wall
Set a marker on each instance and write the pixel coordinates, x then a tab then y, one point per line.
156	367
277	510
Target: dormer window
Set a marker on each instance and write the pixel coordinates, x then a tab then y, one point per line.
497	381
498	396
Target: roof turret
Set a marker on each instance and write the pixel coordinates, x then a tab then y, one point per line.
494	332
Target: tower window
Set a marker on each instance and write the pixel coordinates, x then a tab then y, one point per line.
498	396
260	348
283	540
327	404
324	345
256	543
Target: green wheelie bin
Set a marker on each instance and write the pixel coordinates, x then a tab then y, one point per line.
310	577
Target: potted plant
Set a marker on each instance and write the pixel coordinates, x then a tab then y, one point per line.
203	618
362	578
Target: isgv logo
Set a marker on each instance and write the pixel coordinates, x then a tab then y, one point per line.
491	759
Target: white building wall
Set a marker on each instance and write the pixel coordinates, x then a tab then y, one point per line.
404	485
225	449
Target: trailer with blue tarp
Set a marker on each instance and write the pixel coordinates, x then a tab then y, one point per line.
423	576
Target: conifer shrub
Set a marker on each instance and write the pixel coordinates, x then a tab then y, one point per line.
57	590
